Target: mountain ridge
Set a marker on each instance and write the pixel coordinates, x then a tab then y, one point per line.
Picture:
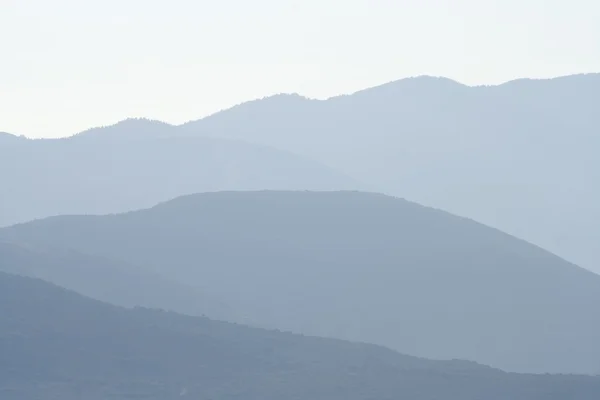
158	355
298	95
135	168
361	267
506	155
106	280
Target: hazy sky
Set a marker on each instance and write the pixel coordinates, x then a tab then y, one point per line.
67	65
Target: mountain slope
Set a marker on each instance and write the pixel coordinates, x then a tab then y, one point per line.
520	156
136	164
7	138
57	344
358	266
107	280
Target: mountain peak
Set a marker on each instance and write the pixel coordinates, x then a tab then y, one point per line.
128	128
422	85
423	82
139	121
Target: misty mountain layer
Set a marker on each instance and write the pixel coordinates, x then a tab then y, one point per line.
357	266
138	163
521	157
108	280
58	344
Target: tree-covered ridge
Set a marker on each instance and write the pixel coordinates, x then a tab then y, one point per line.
58	344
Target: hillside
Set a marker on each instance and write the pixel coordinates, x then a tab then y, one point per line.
358	266
138	163
58	344
108	280
521	157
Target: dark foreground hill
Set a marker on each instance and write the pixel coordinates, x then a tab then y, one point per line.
358	266
138	163
521	157
56	344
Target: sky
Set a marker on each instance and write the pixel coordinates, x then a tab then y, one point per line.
67	65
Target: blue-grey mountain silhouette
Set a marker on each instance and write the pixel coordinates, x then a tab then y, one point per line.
108	280
357	266
521	157
57	344
138	163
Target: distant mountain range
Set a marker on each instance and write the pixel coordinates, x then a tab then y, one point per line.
350	265
57	344
138	163
521	156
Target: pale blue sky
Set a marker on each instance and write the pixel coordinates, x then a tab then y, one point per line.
67	65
